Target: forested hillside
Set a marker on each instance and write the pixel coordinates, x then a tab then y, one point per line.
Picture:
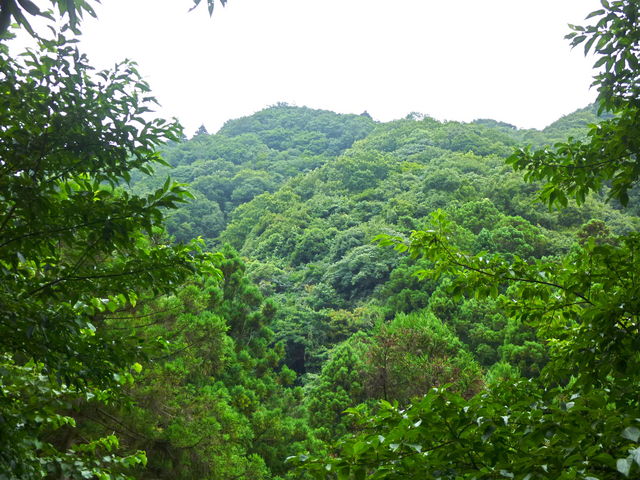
304	214
306	294
358	322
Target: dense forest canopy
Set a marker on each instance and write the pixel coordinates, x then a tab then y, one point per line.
307	294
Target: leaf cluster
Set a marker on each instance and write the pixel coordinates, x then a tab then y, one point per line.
76	246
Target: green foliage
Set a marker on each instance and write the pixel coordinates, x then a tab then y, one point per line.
514	431
64	215
579	419
31	411
565	298
501	373
301	193
249	157
397	361
311	132
213	400
75	247
614	39
359	271
339	386
313	233
16	9
575	168
414	353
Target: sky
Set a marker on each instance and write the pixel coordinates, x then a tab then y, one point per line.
452	60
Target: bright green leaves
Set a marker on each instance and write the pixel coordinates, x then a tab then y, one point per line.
605	163
77	249
398	361
212	393
517	431
579	420
73	242
590	314
608	159
30	405
615	37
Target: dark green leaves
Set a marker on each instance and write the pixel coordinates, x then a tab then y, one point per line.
609	156
575	169
75	246
17	9
615	38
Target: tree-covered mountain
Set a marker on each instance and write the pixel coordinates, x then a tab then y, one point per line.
304	213
250	156
411	299
302	194
578	418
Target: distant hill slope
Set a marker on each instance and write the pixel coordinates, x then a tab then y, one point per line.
572	125
302	129
301	193
250	156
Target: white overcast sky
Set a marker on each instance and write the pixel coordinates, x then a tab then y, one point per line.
451	59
